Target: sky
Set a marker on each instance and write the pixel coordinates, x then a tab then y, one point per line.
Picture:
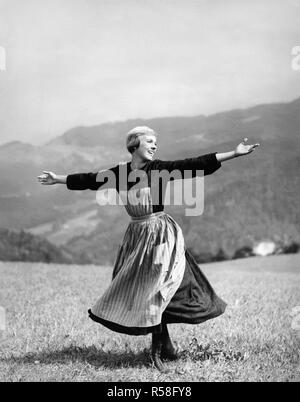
85	62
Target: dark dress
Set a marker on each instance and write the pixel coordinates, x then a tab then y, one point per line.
155	277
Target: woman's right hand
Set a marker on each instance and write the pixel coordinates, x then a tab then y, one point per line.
47	178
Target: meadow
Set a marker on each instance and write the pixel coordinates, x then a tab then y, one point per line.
49	337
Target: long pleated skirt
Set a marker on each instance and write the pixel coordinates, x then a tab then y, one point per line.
155	280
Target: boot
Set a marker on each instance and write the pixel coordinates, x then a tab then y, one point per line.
156	352
168	352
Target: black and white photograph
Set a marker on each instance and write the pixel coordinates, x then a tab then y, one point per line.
149	193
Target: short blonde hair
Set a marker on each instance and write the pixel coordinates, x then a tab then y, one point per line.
132	138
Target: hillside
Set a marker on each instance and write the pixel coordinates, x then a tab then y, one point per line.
22	246
247	200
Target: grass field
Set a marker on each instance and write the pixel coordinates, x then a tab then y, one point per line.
49	336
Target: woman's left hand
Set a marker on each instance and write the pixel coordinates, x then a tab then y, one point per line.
244	149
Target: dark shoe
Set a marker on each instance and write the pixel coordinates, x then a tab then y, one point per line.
169	354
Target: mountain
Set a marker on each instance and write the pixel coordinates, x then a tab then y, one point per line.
248	199
22	246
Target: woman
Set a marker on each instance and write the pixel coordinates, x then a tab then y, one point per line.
155	280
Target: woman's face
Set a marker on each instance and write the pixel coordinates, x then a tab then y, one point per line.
148	146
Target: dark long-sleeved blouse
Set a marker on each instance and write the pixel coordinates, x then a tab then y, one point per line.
122	177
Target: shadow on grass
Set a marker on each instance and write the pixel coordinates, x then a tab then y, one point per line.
88	355
97	357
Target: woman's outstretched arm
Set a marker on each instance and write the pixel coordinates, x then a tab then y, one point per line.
77	181
49	178
82	181
241	149
208	163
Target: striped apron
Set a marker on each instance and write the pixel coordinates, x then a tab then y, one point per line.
148	269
